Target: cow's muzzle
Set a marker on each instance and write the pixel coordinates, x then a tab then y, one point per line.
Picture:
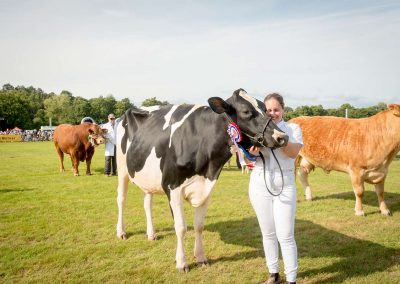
279	137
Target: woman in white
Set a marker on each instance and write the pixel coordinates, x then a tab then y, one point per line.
275	208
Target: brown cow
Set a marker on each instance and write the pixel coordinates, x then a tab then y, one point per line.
78	141
363	148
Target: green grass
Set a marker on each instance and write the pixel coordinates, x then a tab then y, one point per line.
60	228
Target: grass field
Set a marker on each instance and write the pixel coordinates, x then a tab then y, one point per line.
60	228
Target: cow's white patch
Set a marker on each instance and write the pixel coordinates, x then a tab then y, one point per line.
167	117
278	134
151	108
175	125
149	178
197	189
252	101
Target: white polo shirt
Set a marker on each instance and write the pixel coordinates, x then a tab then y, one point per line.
287	164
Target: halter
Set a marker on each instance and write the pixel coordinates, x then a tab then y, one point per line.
236	137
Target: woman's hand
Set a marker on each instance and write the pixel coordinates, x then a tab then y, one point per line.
255	151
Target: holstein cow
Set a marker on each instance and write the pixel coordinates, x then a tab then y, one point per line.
79	142
180	151
363	148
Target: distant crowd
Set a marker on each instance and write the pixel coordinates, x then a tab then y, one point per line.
31	135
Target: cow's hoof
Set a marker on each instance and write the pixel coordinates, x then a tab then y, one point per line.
122	236
386	212
184	269
360	213
88	174
203	264
77	175
152	237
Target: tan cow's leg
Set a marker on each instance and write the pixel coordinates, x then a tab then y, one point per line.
304	170
121	199
379	189
358	187
180	228
148	205
200	213
61	156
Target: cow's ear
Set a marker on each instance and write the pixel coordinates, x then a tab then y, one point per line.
395	109
261	105
218	105
104	130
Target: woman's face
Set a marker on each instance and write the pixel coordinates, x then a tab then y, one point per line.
274	110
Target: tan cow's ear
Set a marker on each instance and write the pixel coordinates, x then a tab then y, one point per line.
395	109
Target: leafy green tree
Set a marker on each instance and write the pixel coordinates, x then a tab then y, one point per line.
121	106
153	102
58	108
14	108
80	109
101	107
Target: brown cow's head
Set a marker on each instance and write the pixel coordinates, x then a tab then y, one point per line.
96	135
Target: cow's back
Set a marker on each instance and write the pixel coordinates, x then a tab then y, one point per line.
333	143
71	137
170	146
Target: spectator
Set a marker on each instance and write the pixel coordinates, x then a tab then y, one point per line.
110	167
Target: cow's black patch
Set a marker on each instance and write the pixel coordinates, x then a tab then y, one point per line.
199	146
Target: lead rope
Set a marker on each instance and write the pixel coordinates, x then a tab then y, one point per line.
280	169
261	155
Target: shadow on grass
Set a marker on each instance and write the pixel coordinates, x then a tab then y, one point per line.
15	190
160	234
355	257
370	198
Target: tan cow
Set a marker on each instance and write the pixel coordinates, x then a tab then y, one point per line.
363	148
78	141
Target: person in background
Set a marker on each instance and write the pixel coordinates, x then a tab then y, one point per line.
110	167
276	212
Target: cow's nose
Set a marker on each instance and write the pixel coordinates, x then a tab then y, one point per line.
282	140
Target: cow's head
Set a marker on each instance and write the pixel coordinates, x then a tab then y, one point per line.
250	115
96	135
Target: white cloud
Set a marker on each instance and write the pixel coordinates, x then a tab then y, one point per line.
329	59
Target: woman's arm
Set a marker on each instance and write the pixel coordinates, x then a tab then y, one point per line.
292	149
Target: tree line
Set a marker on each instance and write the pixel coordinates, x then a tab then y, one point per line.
30	108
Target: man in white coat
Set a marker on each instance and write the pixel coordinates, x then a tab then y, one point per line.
110	167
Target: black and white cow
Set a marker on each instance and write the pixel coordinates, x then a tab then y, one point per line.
180	151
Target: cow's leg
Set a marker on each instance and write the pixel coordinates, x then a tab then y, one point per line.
358	187
88	162
89	156
61	156
148	205
200	213
75	164
304	170
121	198
180	228
379	189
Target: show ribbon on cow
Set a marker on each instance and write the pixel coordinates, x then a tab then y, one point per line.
236	136
90	138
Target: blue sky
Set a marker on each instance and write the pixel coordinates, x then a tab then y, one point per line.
312	52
